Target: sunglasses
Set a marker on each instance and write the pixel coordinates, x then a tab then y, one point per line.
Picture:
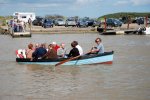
97	41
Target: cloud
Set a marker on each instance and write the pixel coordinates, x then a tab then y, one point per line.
42	5
132	2
86	2
120	3
140	2
51	3
81	4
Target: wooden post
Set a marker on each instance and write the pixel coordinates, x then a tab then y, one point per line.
128	22
105	24
146	19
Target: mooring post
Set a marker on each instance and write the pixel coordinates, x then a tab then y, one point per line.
105	24
128	22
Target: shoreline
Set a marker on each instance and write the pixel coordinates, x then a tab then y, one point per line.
67	30
62	32
55	29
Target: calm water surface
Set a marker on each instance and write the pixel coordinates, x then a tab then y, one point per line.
128	78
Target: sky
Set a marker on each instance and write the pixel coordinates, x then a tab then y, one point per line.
69	8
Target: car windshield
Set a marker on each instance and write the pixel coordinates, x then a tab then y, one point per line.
48	21
39	18
116	20
60	19
71	20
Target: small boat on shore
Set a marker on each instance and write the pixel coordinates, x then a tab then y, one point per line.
105	58
19	33
19	29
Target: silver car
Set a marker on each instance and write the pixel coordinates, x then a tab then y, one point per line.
70	22
60	22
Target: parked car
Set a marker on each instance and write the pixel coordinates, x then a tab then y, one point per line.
60	22
124	19
70	22
38	21
47	23
82	23
97	23
90	22
113	22
140	20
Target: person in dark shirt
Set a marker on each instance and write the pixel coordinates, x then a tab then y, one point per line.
74	51
39	52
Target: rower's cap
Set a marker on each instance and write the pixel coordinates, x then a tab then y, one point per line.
53	42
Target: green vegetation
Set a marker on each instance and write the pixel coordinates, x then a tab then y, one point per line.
126	14
54	16
3	20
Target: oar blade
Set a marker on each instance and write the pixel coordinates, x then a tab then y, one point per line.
64	61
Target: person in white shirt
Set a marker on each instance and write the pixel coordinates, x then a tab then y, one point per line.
61	51
79	47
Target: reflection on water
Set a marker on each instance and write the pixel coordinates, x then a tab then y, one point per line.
128	78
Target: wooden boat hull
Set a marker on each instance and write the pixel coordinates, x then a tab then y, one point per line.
106	57
21	34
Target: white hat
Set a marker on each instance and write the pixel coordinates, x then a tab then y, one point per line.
53	42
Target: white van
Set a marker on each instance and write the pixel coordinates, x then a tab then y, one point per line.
24	16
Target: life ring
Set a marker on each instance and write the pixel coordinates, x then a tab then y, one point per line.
21	53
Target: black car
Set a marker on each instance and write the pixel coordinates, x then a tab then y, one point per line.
140	20
113	22
82	23
90	22
47	23
97	23
38	21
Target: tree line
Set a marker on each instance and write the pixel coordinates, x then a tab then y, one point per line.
126	14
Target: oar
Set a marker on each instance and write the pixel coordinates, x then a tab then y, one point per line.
72	58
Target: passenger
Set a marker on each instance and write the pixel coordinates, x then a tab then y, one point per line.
44	46
74	51
51	53
30	23
39	52
18	25
99	48
15	27
36	46
55	46
29	51
78	47
22	28
61	51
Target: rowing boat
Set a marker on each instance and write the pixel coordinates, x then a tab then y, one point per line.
106	58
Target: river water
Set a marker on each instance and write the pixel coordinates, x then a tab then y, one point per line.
128	78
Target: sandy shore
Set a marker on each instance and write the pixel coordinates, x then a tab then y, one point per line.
63	29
